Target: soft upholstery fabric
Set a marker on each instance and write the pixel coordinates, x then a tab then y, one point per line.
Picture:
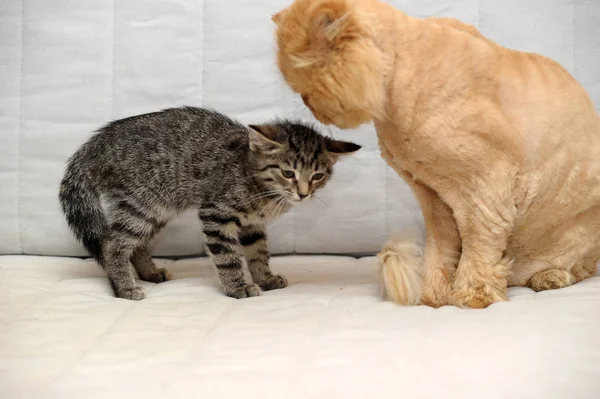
327	336
67	67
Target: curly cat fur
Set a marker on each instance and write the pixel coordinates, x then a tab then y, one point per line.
499	146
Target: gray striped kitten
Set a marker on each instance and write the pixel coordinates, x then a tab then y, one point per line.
135	174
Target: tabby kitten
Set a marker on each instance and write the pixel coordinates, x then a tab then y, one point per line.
135	174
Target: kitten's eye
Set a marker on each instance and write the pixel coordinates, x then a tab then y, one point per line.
318	176
288	173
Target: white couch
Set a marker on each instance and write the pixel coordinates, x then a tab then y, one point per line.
66	67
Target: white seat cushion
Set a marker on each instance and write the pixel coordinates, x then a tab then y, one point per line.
328	335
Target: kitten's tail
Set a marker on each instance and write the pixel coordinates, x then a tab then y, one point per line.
401	268
81	205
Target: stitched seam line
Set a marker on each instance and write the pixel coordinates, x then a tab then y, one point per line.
203	53
573	17
203	68
201	345
20	129
114	52
74	362
294	231
10	323
386	208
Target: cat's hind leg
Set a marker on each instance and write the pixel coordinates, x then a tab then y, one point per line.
575	255
551	279
587	268
117	252
130	231
145	267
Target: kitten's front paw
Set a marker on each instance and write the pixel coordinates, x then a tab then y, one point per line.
273	283
136	293
159	276
247	291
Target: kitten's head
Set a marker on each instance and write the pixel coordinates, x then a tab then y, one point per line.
293	160
327	54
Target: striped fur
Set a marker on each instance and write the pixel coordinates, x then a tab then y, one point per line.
134	175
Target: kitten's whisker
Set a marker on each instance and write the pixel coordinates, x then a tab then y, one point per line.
319	199
261	196
320	203
299	112
271	204
264	86
281	207
274	208
267	206
264	194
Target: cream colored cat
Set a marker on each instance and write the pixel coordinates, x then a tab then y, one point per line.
501	147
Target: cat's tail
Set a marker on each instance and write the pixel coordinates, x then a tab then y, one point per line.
401	269
81	205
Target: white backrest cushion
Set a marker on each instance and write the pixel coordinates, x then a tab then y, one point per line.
67	67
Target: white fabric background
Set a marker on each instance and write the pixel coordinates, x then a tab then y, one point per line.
328	335
66	67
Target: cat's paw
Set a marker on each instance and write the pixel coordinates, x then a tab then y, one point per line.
551	279
136	293
434	300
274	283
437	290
158	276
247	291
479	297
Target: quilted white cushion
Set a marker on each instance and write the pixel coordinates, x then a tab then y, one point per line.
326	336
66	67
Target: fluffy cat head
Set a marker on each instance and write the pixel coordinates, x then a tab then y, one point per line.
294	160
327	53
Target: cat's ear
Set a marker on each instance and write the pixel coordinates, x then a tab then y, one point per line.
278	16
264	138
329	18
339	148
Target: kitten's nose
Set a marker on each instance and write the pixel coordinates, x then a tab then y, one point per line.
302	196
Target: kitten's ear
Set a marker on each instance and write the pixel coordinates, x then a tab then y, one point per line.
329	18
338	148
264	138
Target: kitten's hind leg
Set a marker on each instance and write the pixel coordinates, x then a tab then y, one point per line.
147	270
118	250
221	231
131	230
256	249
